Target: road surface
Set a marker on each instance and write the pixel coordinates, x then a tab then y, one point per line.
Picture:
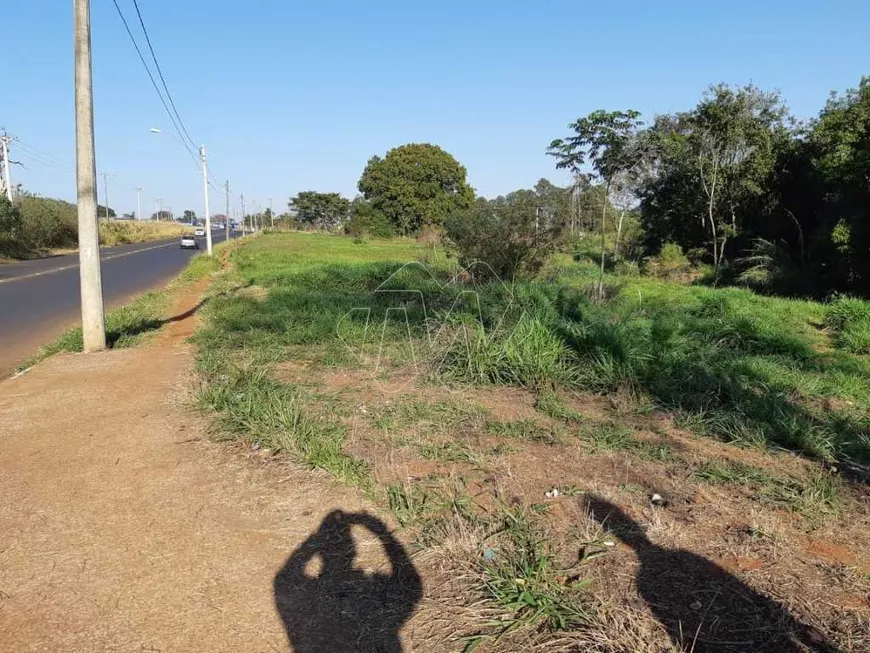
39	299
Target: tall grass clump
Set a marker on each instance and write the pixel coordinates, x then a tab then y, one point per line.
848	319
521	576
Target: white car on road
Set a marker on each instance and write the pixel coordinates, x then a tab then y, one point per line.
200	231
189	242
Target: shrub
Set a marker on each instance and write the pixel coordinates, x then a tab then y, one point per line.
506	235
47	223
670	262
366	221
10	217
132	231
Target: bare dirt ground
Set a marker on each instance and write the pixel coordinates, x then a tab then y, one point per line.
122	528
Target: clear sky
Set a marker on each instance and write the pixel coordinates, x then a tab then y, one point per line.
290	95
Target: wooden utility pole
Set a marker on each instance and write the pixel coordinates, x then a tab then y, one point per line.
93	318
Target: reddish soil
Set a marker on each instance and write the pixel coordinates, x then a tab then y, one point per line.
122	528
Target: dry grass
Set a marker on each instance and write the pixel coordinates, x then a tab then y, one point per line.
455	465
121	232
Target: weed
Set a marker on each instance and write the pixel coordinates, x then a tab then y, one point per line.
816	497
609	437
249	403
407	502
549	403
737	366
524	429
447	452
849	320
522	577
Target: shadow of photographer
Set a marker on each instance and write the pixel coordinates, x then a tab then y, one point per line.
342	608
703	607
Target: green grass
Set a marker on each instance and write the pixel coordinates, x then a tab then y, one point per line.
447	452
729	363
849	320
524	429
549	403
817	495
423	416
126	326
522	577
250	404
610	436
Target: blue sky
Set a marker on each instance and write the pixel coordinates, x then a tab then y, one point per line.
292	96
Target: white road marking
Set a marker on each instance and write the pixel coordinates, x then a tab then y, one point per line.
75	265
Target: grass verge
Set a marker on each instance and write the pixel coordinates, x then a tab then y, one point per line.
130	324
330	337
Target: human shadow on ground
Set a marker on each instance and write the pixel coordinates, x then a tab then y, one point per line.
703	607
147	325
343	609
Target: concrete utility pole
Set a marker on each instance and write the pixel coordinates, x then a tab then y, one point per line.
138	202
93	318
106	176
159	206
244	217
4	152
271	213
205	190
227	225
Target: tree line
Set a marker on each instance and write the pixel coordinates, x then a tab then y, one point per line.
735	183
741	185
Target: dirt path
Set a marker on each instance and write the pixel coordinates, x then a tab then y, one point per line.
123	529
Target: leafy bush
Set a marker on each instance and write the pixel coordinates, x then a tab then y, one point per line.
366	221
10	226
849	321
669	263
506	235
10	217
47	223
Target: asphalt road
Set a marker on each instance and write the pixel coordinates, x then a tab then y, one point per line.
39	299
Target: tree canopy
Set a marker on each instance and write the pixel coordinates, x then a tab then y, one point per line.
416	185
320	210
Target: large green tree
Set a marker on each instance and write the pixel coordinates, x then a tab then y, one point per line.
714	167
839	148
416	185
320	210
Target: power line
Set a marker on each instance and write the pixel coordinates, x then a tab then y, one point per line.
40	156
148	69
160	74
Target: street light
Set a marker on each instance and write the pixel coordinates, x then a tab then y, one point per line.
204	162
